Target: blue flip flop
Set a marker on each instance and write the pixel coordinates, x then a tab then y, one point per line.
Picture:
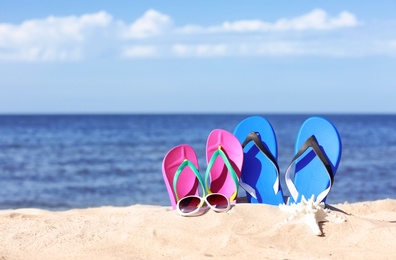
260	168
317	156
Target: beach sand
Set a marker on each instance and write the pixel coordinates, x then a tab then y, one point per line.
253	231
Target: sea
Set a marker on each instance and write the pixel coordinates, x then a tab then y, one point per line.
61	162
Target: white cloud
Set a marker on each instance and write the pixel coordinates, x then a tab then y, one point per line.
154	34
315	20
254	49
53	38
152	23
200	50
385	47
275	48
139	51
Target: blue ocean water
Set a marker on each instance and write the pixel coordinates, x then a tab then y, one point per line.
60	162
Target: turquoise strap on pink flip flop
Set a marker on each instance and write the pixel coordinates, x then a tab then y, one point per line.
220	152
183	165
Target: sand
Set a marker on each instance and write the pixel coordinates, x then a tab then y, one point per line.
152	232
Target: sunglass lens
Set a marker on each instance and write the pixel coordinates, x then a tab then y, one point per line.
189	204
217	201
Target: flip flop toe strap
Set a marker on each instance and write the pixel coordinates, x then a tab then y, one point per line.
231	170
312	143
179	170
253	136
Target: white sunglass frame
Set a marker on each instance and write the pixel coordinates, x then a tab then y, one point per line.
201	206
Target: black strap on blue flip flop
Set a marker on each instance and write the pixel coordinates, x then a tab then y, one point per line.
254	136
311	142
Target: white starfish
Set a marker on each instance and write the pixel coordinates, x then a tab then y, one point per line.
310	212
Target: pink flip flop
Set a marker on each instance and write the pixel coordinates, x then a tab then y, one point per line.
224	155
187	183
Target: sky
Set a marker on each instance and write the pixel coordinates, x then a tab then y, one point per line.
204	56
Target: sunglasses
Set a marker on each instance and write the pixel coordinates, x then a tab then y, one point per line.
194	205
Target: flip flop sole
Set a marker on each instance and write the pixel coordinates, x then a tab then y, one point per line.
257	170
311	177
221	180
187	183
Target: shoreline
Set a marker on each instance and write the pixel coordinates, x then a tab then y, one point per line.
256	231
